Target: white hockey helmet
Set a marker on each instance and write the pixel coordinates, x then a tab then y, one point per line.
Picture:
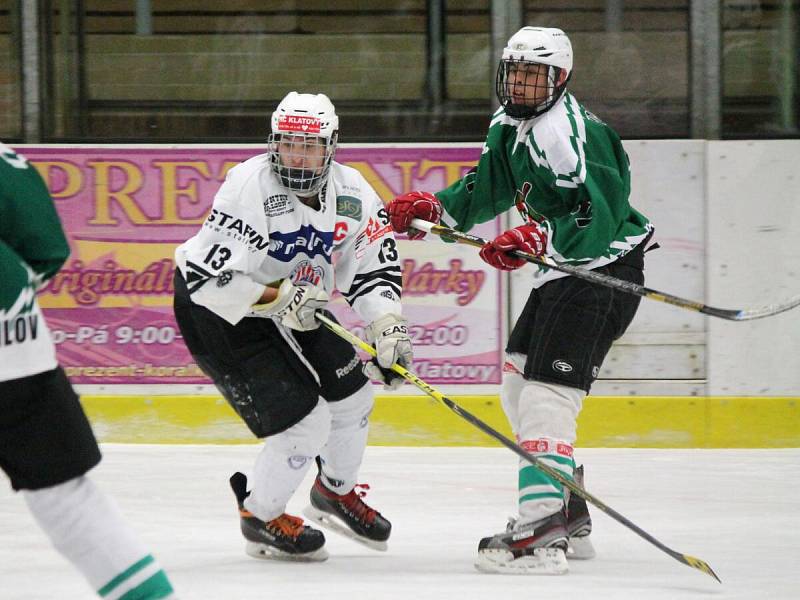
534	46
309	128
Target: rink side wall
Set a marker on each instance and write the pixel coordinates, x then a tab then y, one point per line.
728	223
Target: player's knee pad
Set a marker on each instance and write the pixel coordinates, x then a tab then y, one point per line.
512	385
284	460
341	457
352	410
305	438
548	410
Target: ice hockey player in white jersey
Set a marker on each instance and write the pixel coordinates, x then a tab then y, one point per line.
285	229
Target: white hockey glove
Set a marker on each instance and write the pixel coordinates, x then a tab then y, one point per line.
294	307
389	336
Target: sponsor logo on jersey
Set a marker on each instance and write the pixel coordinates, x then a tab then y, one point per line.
348	206
562	365
375	230
299	123
233	227
306	272
277	205
340	231
306	240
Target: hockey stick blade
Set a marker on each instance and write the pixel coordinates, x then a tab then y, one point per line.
356	341
619	284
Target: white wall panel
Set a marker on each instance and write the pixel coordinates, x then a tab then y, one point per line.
753	255
668	185
656	356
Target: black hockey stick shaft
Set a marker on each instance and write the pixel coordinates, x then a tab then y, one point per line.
691	561
613	282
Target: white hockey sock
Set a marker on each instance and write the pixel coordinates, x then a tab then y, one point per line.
546	427
511	387
86	527
284	461
341	456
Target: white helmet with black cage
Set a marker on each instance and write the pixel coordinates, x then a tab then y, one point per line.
305	130
524	89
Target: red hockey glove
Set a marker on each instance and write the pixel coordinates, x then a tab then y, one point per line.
527	238
414	205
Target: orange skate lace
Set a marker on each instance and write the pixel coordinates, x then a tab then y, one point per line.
287	525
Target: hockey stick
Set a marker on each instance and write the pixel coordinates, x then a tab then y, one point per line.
613	282
691	561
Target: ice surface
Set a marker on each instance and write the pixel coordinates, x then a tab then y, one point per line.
739	510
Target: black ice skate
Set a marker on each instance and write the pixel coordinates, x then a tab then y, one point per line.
282	538
348	515
579	524
537	548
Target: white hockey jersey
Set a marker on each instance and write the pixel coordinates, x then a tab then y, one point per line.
259	232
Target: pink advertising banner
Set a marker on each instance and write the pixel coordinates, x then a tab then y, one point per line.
126	208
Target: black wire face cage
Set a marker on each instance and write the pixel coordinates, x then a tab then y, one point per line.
525	84
303	166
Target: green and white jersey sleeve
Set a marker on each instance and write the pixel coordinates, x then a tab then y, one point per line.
32	249
572	175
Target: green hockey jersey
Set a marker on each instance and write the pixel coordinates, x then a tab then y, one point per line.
567	170
32	249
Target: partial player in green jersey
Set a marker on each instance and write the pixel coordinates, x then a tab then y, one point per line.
32	249
46	443
565	171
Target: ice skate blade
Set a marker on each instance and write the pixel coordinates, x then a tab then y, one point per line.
265	552
336	525
580	548
544	561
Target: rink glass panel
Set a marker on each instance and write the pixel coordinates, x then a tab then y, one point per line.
10	74
203	71
207	71
760	58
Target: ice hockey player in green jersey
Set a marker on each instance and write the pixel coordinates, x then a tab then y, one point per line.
551	160
46	443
